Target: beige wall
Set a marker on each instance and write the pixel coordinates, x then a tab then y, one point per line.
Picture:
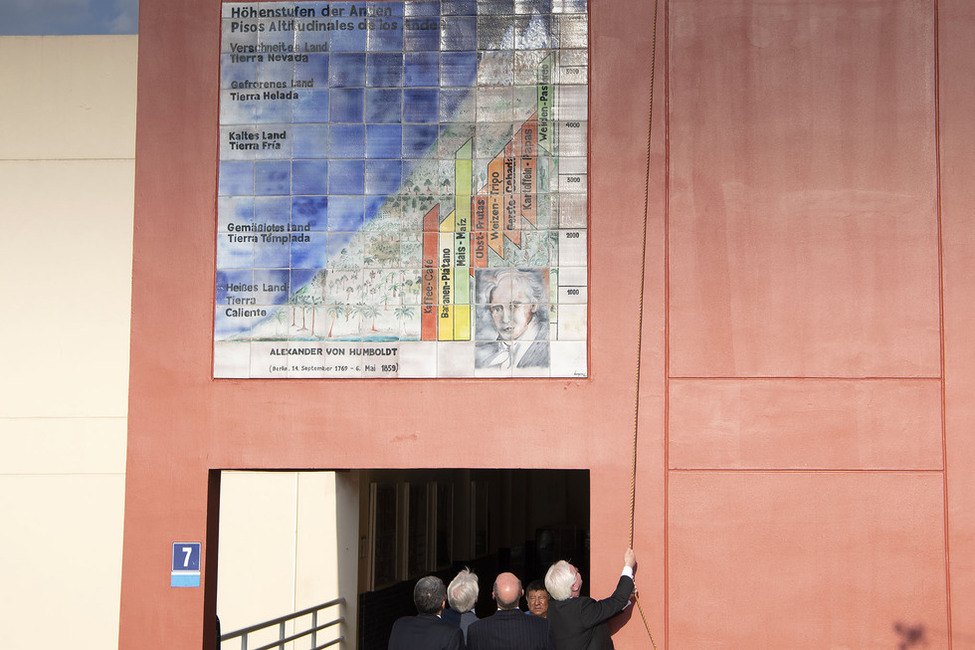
288	541
66	194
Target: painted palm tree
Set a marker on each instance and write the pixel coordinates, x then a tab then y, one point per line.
390	286
294	300
370	311
315	301
281	316
303	299
316	295
334	310
356	310
403	313
321	282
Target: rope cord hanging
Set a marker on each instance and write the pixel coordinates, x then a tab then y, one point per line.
643	268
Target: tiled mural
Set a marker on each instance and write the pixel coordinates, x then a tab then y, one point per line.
402	190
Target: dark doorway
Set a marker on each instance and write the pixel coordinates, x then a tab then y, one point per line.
292	539
424	522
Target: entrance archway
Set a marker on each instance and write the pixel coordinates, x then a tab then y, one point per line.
294	539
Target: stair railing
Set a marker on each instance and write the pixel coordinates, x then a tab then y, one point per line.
282	621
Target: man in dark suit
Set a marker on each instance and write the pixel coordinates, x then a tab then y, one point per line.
579	623
508	628
426	631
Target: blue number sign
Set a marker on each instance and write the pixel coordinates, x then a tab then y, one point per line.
186	565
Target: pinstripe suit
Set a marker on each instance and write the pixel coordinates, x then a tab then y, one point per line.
509	629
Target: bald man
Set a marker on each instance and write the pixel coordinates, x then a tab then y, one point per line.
508	628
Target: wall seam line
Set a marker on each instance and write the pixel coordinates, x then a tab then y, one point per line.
793	470
63	417
666	365
61	474
54	159
941	313
807	378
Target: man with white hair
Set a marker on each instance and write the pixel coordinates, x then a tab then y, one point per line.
462	595
579	623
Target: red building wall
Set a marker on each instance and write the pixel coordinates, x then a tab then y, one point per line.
804	466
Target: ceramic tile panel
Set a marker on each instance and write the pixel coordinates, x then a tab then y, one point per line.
382	167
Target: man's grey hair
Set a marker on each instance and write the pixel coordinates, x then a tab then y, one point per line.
527	279
559	580
463	590
429	594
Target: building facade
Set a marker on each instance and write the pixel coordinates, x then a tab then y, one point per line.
797	345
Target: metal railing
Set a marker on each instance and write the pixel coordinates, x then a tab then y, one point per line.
282	621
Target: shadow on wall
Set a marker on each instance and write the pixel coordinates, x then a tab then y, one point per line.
911	636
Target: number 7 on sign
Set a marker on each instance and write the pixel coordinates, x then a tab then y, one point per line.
186	564
186	556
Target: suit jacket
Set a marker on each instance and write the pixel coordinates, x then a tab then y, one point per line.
425	633
580	623
509	629
463	621
490	354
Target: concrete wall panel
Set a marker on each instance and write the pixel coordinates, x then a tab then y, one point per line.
49	446
799	560
68	97
61	562
66	255
66	190
802	220
258	545
805	424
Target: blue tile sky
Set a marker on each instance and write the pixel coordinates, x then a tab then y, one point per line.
68	17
